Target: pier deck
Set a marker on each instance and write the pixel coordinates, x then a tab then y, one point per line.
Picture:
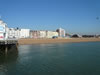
5	45
8	42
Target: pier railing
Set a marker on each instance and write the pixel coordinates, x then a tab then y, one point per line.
8	42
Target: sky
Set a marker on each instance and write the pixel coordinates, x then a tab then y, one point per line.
75	16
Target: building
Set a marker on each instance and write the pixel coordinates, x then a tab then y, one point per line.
24	33
18	33
34	34
61	32
13	33
43	34
51	34
3	30
38	34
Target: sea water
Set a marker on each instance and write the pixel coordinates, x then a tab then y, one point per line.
52	59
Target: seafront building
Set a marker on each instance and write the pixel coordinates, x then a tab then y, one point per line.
38	34
61	32
34	34
51	34
3	30
43	34
16	33
13	33
24	33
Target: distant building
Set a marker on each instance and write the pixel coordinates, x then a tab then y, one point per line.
98	36
24	33
51	34
13	33
42	34
16	33
75	36
34	34
88	36
61	32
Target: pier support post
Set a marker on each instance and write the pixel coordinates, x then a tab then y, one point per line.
6	50
17	46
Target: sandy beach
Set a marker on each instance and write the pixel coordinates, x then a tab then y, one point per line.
70	40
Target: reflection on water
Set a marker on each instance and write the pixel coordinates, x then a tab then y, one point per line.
7	57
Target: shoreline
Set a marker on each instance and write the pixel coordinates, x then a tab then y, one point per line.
63	40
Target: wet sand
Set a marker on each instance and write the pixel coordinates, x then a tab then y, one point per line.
69	40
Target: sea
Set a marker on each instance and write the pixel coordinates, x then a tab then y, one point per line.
52	59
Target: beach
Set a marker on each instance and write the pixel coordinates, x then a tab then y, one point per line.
60	40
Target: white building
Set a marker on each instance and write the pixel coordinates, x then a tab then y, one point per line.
61	32
34	34
3	30
42	34
51	34
18	33
13	33
24	33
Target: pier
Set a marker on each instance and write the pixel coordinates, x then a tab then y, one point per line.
8	42
5	45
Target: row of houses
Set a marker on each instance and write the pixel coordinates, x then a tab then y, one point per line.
43	34
12	33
